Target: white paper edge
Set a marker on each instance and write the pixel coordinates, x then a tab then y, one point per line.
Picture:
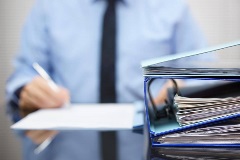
137	107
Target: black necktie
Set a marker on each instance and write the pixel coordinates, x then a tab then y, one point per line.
107	80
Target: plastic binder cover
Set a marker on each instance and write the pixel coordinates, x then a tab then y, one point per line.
165	126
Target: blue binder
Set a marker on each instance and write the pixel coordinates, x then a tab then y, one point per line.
165	126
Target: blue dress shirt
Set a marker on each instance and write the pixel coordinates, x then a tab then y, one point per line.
63	36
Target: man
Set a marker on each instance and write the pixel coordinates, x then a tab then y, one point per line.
65	37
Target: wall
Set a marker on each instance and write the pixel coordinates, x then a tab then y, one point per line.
12	15
220	22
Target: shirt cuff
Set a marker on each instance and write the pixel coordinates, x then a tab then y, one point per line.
13	106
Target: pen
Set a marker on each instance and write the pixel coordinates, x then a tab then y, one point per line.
44	75
54	87
43	145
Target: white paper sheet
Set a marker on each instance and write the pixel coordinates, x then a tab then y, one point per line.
80	117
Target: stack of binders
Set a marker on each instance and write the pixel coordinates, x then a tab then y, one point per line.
204	116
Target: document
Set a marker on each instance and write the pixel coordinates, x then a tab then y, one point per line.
193	110
80	117
223	133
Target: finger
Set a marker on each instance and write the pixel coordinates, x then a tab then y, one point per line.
28	100
23	112
32	97
46	90
53	98
26	103
38	94
64	93
39	97
45	94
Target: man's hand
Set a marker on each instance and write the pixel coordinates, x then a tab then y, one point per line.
39	95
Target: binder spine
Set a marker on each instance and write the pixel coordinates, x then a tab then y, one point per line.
146	80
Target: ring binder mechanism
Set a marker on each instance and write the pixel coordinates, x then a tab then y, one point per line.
204	115
166	109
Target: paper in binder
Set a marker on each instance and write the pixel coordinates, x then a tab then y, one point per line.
194	110
212	119
193	153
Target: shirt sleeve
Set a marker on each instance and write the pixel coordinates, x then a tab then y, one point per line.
34	48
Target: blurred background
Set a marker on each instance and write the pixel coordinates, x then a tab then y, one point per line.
218	19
